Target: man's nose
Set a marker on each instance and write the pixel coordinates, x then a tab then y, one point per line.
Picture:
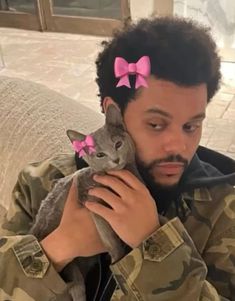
175	142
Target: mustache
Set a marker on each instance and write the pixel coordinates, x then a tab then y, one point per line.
171	158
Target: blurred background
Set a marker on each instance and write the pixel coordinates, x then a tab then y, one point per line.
102	16
55	42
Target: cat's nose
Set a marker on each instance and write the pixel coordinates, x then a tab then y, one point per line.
116	160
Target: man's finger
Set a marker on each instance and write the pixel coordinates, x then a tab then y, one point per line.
106	195
115	183
128	178
101	210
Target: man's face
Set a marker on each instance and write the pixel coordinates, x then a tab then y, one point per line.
165	122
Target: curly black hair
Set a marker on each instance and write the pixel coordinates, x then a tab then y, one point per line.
180	51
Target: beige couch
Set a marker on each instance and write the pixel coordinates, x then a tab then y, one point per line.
33	123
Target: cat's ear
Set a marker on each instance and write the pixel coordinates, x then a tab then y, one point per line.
73	135
114	116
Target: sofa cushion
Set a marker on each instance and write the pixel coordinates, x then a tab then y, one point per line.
33	125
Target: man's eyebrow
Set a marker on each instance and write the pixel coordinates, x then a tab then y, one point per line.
166	114
158	111
199	116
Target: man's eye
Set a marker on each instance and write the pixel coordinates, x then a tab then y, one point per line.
190	128
157	126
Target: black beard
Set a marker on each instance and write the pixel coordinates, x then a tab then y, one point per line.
163	194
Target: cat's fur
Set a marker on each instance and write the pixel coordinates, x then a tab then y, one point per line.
115	143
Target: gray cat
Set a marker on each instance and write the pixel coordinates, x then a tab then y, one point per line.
113	149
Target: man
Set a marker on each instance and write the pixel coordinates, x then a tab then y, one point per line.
179	228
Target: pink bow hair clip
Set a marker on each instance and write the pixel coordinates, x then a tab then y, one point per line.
82	146
141	69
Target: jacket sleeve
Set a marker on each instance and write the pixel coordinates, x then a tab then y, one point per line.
168	266
25	273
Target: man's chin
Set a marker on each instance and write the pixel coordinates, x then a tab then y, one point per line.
165	177
167	181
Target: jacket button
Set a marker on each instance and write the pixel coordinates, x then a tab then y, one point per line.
154	249
3	241
27	262
36	265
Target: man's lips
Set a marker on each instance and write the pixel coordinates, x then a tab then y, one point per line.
170	168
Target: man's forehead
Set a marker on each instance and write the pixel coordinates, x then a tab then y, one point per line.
168	94
160	86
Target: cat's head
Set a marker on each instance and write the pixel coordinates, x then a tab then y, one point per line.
113	147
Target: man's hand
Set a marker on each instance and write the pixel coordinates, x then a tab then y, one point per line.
133	214
75	236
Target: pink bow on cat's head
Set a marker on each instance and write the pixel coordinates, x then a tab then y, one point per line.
81	146
141	69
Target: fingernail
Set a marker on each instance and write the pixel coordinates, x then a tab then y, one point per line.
90	191
88	203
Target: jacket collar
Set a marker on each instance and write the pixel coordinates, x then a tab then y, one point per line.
65	163
198	194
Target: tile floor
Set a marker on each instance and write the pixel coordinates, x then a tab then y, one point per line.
65	63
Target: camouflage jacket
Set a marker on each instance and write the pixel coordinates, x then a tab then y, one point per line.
192	259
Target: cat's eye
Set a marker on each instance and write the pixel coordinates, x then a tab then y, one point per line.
118	144
100	155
